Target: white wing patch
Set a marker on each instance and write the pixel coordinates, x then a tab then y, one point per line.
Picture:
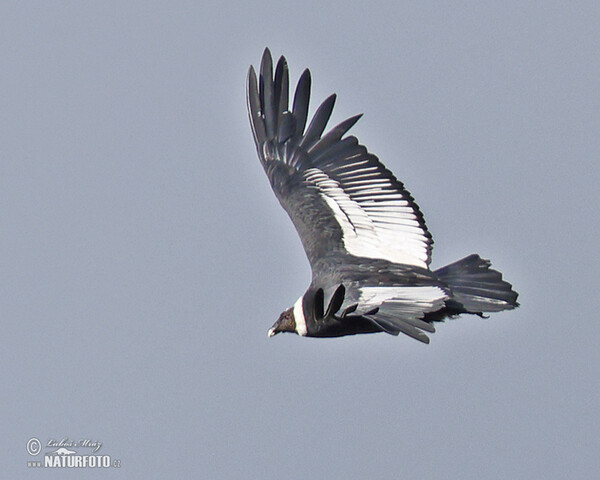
376	221
419	296
402	309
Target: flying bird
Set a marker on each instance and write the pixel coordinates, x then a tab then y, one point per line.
365	237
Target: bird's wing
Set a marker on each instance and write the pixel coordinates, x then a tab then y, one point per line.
401	309
338	195
394	309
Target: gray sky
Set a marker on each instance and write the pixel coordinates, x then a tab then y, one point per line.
144	255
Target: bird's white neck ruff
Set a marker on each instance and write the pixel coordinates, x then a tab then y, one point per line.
299	318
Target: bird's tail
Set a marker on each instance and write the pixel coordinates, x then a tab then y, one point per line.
476	288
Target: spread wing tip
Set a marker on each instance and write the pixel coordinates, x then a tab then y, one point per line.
267	97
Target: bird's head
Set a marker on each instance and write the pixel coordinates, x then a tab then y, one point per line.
285	323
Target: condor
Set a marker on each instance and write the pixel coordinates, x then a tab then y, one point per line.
363	234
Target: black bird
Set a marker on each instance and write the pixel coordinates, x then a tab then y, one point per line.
363	233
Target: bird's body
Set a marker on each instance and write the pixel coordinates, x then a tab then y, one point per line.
363	234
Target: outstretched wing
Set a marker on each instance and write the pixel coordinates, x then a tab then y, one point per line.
340	198
393	309
401	309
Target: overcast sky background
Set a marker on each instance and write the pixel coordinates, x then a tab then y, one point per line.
144	256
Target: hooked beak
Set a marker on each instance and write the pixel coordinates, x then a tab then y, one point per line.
273	330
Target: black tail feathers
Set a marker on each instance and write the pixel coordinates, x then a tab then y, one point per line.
476	288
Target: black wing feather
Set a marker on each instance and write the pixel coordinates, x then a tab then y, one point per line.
333	137
301	102
281	87
255	109
267	94
318	123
